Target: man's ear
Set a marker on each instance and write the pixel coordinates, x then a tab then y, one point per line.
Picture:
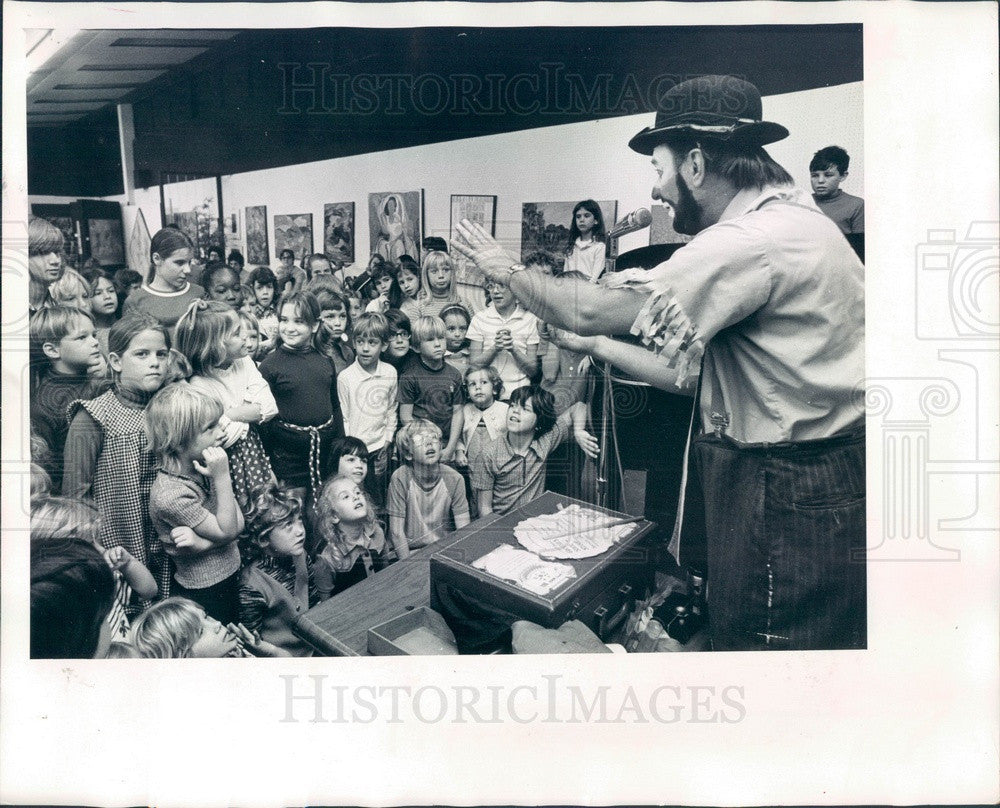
694	167
51	350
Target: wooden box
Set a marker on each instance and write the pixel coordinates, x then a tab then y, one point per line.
420	632
600	595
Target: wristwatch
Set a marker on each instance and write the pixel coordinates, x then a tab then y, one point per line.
514	268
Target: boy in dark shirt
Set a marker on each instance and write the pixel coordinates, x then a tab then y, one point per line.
66	349
431	388
827	170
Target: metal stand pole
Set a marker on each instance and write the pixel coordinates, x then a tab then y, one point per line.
607	401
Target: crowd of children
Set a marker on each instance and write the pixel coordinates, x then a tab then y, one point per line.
217	448
240	446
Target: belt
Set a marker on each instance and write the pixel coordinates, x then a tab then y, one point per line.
315	474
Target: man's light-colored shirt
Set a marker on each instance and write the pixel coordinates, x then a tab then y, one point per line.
773	297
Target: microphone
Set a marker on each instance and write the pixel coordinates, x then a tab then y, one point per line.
636	220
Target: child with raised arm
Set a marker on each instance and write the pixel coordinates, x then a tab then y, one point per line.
193	488
431	388
426	499
70	519
510	472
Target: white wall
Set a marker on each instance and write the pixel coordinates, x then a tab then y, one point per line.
568	162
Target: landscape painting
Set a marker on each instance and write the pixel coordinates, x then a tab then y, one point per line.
294	231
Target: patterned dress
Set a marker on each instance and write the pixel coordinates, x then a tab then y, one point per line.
122	479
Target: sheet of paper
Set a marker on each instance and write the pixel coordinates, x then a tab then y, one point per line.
571	532
525	569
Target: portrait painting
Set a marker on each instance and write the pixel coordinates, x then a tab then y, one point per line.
395	222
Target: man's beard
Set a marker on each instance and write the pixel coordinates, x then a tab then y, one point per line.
688	212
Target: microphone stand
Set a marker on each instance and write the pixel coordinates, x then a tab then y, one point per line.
607	402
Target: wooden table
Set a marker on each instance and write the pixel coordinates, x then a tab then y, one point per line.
339	626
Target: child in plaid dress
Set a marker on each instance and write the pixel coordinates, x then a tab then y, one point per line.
210	335
107	456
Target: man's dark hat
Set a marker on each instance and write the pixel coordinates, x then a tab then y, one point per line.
715	107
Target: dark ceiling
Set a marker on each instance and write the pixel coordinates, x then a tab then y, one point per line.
267	98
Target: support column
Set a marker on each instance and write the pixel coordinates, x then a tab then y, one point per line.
126	139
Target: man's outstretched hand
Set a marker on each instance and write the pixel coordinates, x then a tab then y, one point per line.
480	247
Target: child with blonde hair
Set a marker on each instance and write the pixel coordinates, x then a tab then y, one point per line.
252	337
45	260
211	336
368	391
65	351
71	289
193	489
177	627
438	288
431	388
426	499
355	545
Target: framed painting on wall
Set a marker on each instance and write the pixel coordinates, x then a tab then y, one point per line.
137	249
257	252
294	231
231	232
546	226
481	209
107	241
395	221
338	231
195	206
